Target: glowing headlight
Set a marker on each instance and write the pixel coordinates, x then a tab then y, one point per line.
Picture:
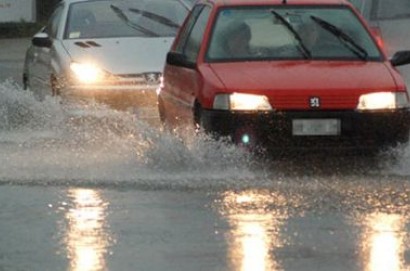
239	101
86	72
382	100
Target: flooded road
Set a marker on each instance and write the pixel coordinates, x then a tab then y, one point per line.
97	189
90	188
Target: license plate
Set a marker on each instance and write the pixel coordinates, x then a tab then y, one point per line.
315	127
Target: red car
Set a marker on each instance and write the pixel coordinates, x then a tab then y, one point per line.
285	74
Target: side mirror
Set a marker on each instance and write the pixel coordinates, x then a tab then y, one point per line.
178	59
41	40
400	58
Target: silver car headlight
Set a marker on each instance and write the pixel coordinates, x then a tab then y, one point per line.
383	100
87	73
241	101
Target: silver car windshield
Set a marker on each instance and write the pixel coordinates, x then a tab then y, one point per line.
133	18
272	32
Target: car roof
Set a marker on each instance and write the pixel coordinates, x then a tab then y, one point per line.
76	1
187	3
73	1
275	2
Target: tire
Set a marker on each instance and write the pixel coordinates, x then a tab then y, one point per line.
25	82
166	125
198	124
55	86
161	111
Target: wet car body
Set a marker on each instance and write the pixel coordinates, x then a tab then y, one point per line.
300	100
110	51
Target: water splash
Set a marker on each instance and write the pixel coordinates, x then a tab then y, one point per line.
54	144
50	142
19	110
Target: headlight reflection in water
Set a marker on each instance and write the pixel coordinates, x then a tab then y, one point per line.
87	239
383	242
255	231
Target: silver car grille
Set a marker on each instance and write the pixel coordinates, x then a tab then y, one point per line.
149	78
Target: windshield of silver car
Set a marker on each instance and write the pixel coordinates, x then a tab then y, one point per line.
105	19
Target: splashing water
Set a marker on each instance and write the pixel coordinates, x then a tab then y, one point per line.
48	142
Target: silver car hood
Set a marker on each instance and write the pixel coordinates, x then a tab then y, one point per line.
121	55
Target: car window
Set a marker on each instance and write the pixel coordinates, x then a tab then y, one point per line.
127	18
53	23
194	39
187	27
321	32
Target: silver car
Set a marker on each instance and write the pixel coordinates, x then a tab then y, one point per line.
111	51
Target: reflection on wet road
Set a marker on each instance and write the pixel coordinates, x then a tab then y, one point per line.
254	232
262	238
101	190
87	236
384	242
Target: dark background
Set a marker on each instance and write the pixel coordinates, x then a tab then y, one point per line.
44	9
25	29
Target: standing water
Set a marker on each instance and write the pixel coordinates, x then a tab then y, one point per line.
90	188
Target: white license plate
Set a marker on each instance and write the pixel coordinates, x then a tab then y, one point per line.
313	127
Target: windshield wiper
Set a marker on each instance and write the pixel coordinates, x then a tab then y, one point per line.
120	13
155	17
358	50
302	47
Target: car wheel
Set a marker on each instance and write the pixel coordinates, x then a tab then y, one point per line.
198	124
166	125
403	137
25	82
55	86
161	111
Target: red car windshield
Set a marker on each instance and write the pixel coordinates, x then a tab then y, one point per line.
272	32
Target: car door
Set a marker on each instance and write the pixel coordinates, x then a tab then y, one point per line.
182	82
40	61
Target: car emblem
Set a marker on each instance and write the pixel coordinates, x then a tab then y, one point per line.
314	102
152	78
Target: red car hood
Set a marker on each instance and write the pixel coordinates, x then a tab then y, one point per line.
289	84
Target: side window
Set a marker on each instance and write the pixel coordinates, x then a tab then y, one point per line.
53	23
191	39
194	40
188	27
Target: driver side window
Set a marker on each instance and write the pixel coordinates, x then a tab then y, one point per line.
54	22
192	36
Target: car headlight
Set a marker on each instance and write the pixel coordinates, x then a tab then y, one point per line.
240	101
87	72
383	100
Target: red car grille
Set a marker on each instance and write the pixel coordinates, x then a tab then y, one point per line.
292	102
